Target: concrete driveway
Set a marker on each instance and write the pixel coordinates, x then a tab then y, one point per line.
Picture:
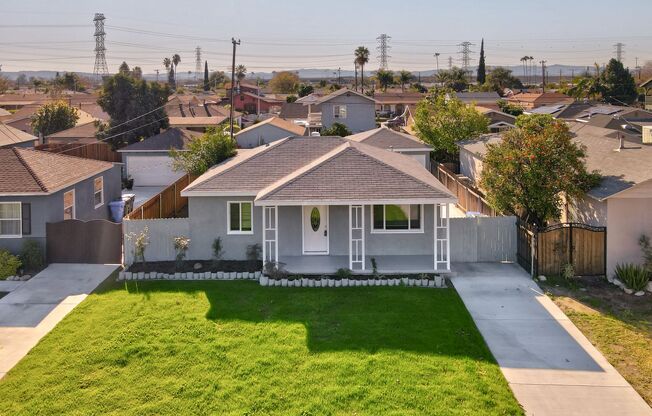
549	364
37	305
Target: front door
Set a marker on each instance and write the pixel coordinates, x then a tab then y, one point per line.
315	229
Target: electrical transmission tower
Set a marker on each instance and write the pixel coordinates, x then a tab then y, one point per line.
620	51
383	47
466	52
197	62
100	70
450	62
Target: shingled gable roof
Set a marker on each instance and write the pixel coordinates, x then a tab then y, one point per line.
292	128
28	172
340	92
386	138
174	138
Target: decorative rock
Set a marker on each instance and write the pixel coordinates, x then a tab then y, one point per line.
263	280
405	281
649	286
618	283
639	293
542	278
245	275
431	283
197	266
257	275
628	290
610	278
238	276
127	275
438	281
284	282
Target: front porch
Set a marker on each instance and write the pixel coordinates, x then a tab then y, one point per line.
387	265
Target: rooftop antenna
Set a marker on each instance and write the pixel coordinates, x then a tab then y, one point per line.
383	47
100	69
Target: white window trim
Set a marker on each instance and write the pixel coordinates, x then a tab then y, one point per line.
20	220
338	114
228	218
419	230
101	178
74	204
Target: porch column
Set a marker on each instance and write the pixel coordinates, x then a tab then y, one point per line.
356	237
441	237
270	234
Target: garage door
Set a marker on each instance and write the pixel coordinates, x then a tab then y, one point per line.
151	170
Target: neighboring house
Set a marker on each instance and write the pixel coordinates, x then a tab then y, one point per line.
353	109
12	137
531	100
148	162
394	104
306	113
488	99
256	104
498	120
39	187
316	204
621	202
242	87
647	87
268	131
83	133
395	141
189	112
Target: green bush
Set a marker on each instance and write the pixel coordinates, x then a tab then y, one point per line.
343	273
31	256
9	264
635	277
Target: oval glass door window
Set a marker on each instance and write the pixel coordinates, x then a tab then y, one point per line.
315	219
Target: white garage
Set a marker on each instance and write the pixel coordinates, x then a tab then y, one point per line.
148	162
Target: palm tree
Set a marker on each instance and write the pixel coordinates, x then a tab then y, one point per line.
355	63
361	58
175	61
523	62
531	58
385	78
240	72
167	62
404	77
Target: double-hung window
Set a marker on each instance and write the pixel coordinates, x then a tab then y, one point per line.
240	217
98	192
339	111
69	205
11	220
397	218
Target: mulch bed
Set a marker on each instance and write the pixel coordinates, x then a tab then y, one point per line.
189	266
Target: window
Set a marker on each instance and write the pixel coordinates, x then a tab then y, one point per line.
339	111
240	218
69	205
397	218
98	192
10	220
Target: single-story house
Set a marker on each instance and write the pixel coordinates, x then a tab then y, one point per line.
38	187
82	133
267	131
148	162
498	120
531	100
353	109
252	103
316	204
394	103
12	137
622	200
395	141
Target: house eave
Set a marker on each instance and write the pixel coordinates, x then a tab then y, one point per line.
192	193
392	201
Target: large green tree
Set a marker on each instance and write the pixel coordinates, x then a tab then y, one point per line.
454	79
54	117
442	121
136	108
501	78
336	129
532	167
618	85
284	82
385	78
482	74
213	147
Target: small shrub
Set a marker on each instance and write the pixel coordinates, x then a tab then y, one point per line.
218	250
141	241
275	271
426	276
633	276
568	272
9	264
253	252
374	266
181	245
343	273
31	256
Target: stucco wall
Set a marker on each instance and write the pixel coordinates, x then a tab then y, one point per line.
470	165
588	211
263	134
360	113
628	218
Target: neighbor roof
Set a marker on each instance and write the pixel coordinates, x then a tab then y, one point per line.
399	98
174	138
87	130
478	96
196	121
342	91
478	146
292	128
300	169
386	138
27	171
10	136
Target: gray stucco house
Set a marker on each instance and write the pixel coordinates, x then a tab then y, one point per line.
395	141
356	111
38	187
267	131
316	204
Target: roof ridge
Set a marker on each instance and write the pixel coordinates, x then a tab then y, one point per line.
29	169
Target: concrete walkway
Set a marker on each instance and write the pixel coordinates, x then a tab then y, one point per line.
37	305
549	364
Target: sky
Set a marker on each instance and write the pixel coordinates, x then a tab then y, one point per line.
291	34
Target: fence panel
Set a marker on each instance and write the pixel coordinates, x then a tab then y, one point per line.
469	198
168	203
96	151
483	239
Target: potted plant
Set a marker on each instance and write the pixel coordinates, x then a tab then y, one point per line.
128	183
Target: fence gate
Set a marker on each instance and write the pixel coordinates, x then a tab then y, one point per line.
547	250
75	241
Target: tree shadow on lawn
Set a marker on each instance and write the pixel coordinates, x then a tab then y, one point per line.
432	321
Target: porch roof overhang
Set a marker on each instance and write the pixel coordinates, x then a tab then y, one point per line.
330	201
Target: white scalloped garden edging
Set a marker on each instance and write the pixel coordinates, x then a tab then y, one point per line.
437	282
190	276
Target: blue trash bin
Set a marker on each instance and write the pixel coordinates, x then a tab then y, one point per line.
117	210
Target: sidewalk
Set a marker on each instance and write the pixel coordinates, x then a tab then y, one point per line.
549	364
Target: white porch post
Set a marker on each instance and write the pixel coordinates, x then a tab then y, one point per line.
356	237
270	234
442	237
448	238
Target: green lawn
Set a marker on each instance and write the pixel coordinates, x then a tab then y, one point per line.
235	348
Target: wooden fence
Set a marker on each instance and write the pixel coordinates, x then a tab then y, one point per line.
167	204
97	151
469	198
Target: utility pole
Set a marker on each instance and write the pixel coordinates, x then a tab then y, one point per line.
437	60
619	51
339	76
638	69
450	62
235	43
157	76
543	75
100	69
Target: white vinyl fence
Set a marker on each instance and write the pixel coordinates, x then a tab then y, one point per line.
160	235
489	239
